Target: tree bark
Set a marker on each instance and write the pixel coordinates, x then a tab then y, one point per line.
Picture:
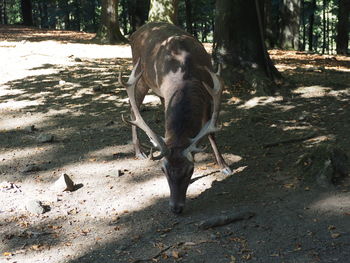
343	27
290	21
3	15
26	9
109	31
239	47
303	21
44	15
311	25
64	6
138	13
163	11
272	23
324	33
189	20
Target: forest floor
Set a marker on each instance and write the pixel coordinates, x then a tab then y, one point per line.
285	153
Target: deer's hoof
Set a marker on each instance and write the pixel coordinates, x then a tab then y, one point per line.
226	171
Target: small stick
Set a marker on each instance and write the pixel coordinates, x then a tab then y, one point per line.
225	219
307	137
158	254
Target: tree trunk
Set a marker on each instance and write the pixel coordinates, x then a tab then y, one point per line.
303	20
311	25
272	23
109	31
290	21
43	13
77	15
343	27
239	47
163	10
64	6
324	33
138	13
189	20
3	15
26	9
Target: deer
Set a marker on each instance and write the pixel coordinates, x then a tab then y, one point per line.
176	67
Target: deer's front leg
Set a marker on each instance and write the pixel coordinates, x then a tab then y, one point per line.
225	169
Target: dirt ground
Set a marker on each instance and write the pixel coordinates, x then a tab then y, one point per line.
66	87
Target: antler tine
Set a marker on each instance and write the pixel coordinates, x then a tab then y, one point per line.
130	86
210	126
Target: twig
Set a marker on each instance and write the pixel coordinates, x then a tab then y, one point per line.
158	254
307	137
224	220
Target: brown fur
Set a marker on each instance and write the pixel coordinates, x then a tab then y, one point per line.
173	64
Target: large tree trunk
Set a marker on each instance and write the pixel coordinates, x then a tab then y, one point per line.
311	25
343	27
239	47
109	31
163	11
290	21
26	9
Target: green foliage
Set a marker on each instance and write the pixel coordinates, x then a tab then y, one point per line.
162	11
13	12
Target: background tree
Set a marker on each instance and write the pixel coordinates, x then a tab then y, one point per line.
311	24
3	15
239	46
289	29
163	10
343	27
109	31
138	13
26	8
189	19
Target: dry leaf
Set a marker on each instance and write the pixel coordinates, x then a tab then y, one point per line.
7	254
36	247
331	227
335	235
288	186
175	254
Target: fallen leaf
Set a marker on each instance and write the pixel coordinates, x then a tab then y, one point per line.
331	227
175	254
335	235
288	186
7	254
36	247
